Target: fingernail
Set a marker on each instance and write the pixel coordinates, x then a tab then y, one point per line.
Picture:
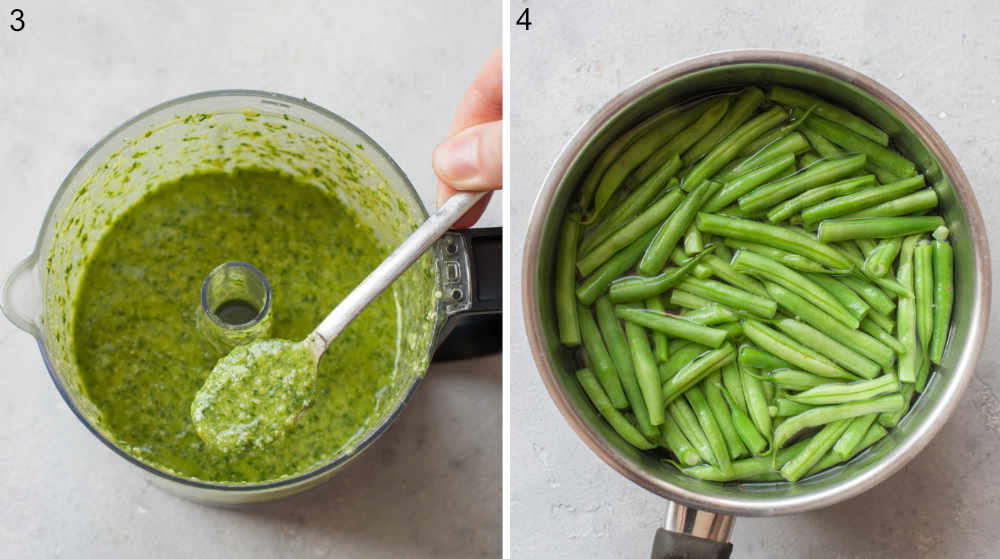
458	158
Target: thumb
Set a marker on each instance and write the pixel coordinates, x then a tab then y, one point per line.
472	159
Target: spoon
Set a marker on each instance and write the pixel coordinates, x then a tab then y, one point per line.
257	392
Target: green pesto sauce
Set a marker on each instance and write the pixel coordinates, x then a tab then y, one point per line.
254	394
142	360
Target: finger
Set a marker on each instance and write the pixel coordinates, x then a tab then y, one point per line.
483	100
472	159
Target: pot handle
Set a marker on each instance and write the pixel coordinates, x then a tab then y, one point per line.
690	533
471	270
20	297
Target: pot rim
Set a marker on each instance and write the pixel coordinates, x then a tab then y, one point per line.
942	408
278	100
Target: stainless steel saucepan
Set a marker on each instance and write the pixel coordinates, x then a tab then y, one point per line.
699	518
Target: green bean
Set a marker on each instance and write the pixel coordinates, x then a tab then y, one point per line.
783	407
906	314
615	149
753	391
823	147
834	230
823	173
748	468
636	201
569	325
673	327
675	440
875	433
814	196
808	159
741	184
759	359
726	150
774	236
618	421
645	371
733	384
792	351
791	379
828	414
796	98
852	142
872	295
734	330
598	282
660	347
840	393
891	418
789	145
625	236
793	261
729	296
818	445
695	371
706	418
879	262
860	200
686	300
747	432
911	204
853	435
638	152
923	373
795	282
693	242
712	387
824	345
621	355
944	296
686	138
884	175
600	360
687	421
721	269
637	288
679	257
855	305
889	284
865	246
672	229
741	110
871	328
923	291
774	135
710	315
860	342
679	358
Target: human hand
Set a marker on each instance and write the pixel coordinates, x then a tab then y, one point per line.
471	158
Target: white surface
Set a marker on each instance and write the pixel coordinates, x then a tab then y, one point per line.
565	502
431	486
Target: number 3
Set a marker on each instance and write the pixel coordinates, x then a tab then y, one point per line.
19	19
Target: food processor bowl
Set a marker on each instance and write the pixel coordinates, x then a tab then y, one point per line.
224	130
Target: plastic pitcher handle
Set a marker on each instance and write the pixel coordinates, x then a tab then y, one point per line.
19	294
693	534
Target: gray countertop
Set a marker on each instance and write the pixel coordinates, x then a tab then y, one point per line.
565	502
431	486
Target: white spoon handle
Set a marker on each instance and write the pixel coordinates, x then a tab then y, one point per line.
391	268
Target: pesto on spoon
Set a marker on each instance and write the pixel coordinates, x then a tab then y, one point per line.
256	392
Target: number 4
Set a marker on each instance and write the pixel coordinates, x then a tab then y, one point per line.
524	19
